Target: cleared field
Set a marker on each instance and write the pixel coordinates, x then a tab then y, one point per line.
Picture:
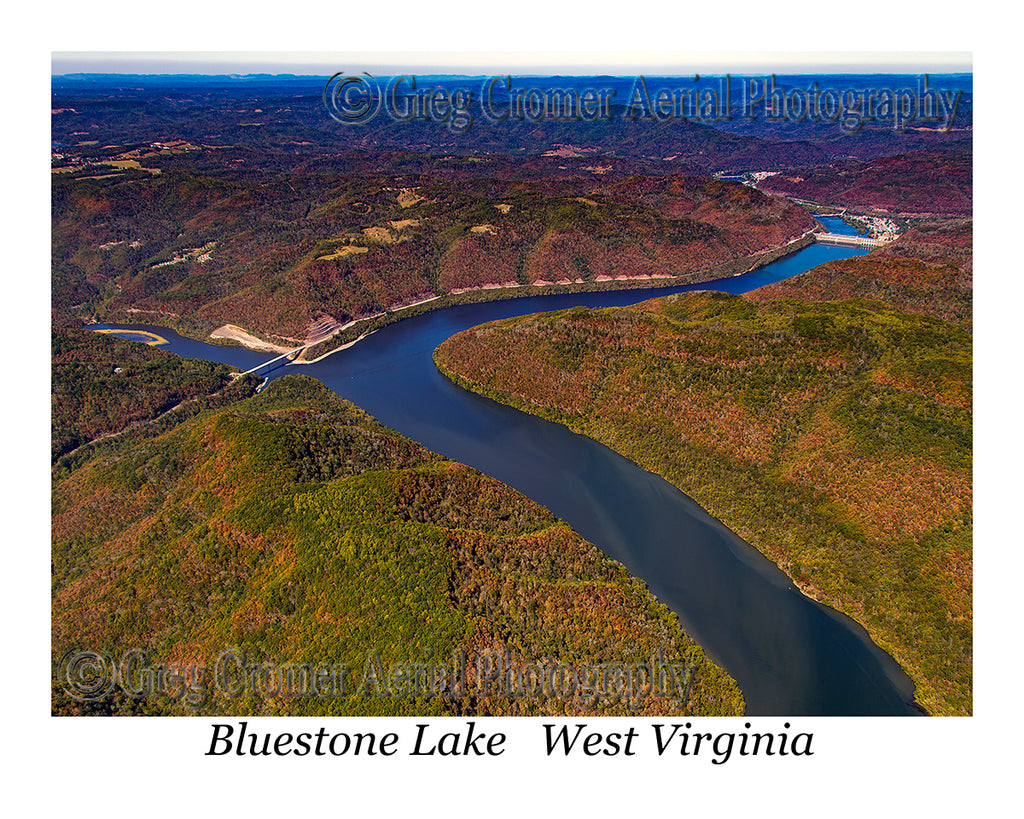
342	252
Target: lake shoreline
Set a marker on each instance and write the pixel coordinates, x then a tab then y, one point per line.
394	380
232	335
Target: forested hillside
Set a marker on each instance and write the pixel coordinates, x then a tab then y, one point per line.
928	269
279	253
920	184
835	437
291	528
102	384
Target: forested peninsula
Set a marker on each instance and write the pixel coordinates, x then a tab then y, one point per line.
834	436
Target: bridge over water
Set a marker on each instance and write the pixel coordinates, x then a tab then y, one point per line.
290	354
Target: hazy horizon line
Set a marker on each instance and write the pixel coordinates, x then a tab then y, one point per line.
472	64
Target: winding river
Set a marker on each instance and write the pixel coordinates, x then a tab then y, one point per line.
789	654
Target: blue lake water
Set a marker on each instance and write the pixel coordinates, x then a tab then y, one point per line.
834	224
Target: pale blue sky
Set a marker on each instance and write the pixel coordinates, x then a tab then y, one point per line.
682	63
